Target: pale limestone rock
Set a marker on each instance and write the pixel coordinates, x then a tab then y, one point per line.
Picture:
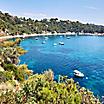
1	69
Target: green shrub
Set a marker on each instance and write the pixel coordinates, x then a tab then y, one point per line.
5	76
40	90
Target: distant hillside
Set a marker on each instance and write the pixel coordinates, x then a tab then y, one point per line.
15	25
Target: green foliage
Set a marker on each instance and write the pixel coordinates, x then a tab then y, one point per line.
7	97
10	67
9	60
9	52
10	43
20	73
15	25
20	50
39	90
5	76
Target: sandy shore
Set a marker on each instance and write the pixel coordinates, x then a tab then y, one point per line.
32	35
48	34
20	36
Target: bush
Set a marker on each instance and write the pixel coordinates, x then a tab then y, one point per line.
39	90
5	76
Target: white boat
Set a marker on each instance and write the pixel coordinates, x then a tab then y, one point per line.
55	44
46	38
43	42
61	36
36	38
61	43
68	37
78	73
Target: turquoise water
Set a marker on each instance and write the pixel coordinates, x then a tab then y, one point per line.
85	53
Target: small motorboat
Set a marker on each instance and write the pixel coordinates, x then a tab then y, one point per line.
68	37
46	38
36	38
61	36
61	43
78	73
55	44
43	42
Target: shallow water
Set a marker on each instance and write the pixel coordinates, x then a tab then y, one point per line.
85	53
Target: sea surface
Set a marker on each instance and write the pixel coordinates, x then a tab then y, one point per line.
84	53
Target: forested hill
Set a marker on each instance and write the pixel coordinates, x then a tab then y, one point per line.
15	25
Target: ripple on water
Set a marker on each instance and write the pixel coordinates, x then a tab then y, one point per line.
82	53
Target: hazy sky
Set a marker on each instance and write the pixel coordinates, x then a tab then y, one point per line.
91	11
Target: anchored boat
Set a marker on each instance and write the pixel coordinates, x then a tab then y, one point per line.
68	37
43	42
36	38
46	38
61	43
78	73
61	36
55	44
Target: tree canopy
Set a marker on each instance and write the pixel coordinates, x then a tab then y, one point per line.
15	25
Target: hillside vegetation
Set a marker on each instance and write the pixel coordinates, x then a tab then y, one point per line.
10	25
19	86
